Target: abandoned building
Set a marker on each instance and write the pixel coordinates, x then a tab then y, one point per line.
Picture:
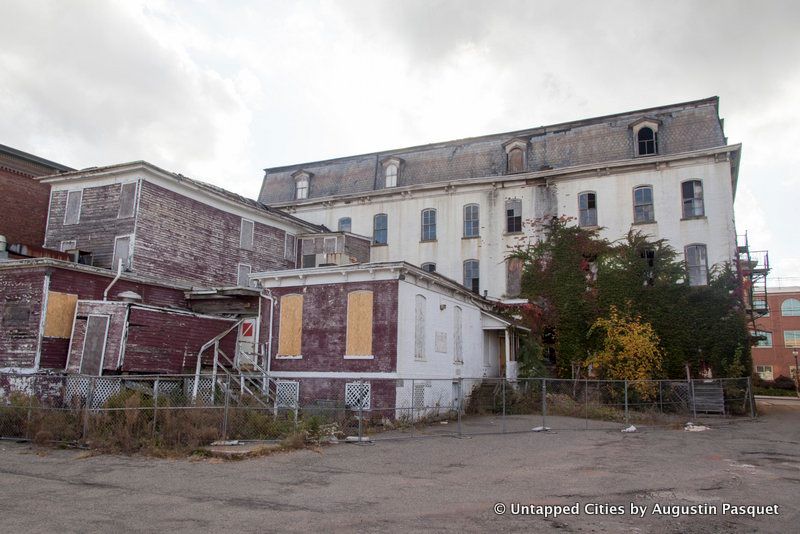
457	207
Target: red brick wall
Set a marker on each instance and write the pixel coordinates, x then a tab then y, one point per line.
23	207
778	356
325	328
180	238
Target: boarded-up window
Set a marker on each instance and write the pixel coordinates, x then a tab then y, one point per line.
122	252
513	277
127	200
458	335
60	314
291	326
16	313
246	235
419	327
359	323
515	160
243	275
289	244
72	213
70	244
94	344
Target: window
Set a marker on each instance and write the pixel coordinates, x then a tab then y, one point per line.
246	235
68	245
697	264
16	313
287	394
72	212
471	276
380	229
587	209
647	141
692	194
513	215
763	339
429	267
791	339
308	251
391	175
345	224
94	344
643	205
428	225
648	255
420	309
243	275
458	335
760	306
289	244
513	277
359	323
127	200
301	191
790	308
122	252
60	314
329	245
291	326
515	155
764	372
471	220
357	395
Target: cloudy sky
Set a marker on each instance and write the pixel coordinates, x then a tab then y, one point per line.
218	90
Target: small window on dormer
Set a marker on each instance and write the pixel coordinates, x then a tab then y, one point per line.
515	156
646	139
302	188
391	175
515	160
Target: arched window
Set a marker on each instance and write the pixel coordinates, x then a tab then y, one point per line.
647	142
472	275
471	220
516	161
301	190
391	175
643	211
429	267
380	229
428	225
587	209
345	224
790	308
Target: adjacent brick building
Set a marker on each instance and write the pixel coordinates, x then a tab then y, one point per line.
778	334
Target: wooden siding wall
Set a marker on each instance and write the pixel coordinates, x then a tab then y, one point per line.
19	341
180	238
116	312
324	335
98	224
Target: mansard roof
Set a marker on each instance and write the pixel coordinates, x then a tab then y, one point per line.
684	127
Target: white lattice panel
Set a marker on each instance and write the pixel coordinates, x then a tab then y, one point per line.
287	394
357	395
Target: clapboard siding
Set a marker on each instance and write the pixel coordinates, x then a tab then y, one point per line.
182	239
116	312
19	339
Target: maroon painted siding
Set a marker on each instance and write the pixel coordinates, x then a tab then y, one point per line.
89	286
19	341
324	334
163	342
180	238
358	248
98	224
116	311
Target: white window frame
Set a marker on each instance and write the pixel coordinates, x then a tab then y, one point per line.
512	204
78	192
301	189
767	341
588	210
339	224
64	245
391	175
478	267
694	201
704	264
130	252
470	222
794	342
243	233
135	185
765	372
652	218
428	225
793	311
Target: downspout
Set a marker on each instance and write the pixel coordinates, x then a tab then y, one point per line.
114	281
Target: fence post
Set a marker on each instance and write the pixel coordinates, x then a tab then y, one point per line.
544	403
586	401
460	405
626	400
691	392
155	406
750	397
360	419
660	398
411	408
30	409
225	410
504	404
89	400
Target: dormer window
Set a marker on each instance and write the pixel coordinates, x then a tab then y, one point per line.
391	171
516	159
302	181
645	136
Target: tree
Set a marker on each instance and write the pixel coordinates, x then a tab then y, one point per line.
629	350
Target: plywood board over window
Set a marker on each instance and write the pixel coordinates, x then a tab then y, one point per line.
359	323
291	326
60	314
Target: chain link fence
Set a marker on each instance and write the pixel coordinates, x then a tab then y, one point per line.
129	413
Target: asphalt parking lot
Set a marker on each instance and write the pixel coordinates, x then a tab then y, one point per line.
441	483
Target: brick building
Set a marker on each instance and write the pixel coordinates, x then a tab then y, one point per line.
778	334
456	207
24	201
